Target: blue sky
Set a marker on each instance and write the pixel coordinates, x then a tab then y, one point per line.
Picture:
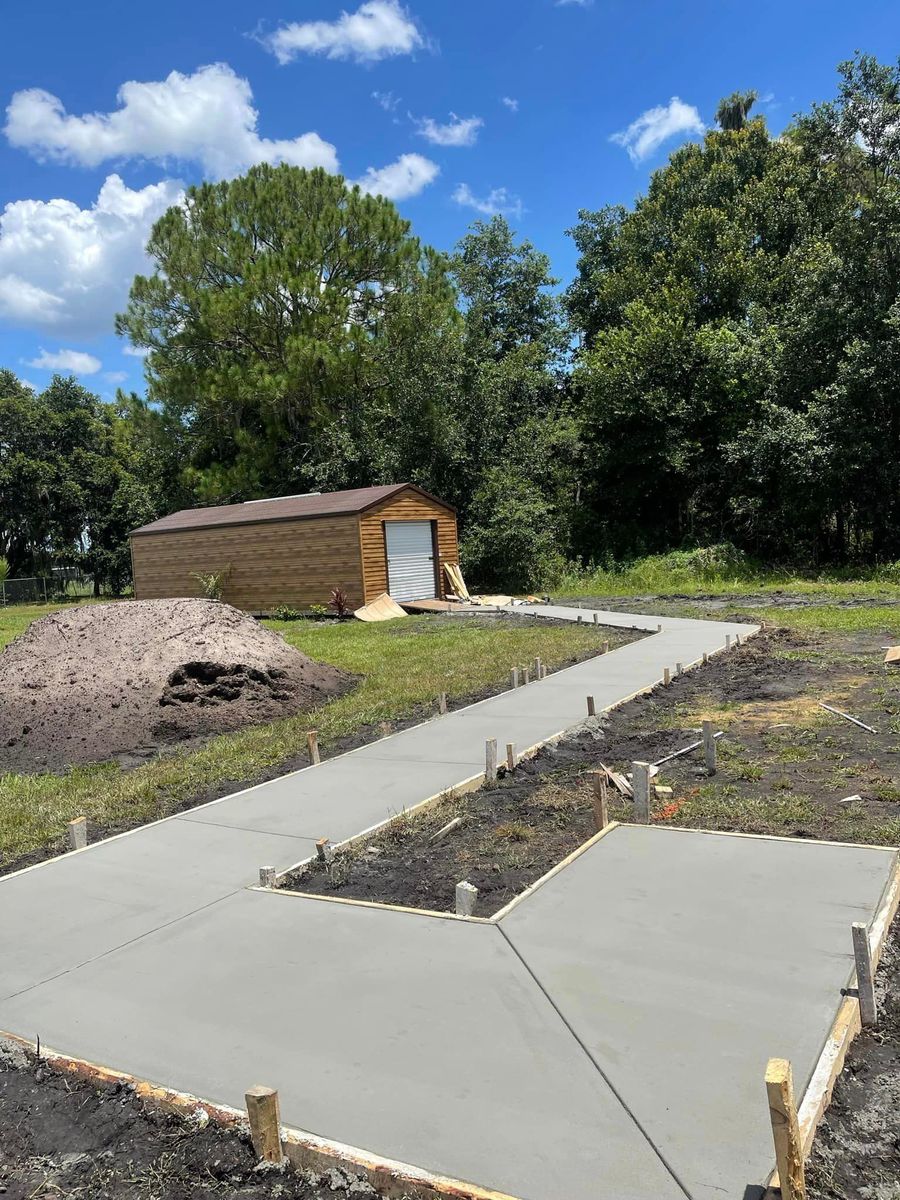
456	108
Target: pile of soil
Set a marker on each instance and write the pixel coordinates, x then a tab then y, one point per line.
127	679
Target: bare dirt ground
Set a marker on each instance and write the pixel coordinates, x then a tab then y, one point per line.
124	679
64	1139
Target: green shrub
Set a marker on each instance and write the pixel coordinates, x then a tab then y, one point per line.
212	583
284	612
511	540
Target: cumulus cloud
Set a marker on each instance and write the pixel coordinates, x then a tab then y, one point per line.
401	179
497	201
68	269
115	377
76	362
459	131
207	117
378	29
646	134
511	104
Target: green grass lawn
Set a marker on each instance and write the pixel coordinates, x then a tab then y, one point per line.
403	666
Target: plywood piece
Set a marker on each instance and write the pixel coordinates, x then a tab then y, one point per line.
382	608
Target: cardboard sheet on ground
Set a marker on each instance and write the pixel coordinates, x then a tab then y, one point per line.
382	608
893	654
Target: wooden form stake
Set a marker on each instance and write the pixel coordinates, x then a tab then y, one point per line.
490	762
514	677
727	641
267	877
667	676
705	658
596	618
592	712
679	668
709	747
865	976
538	669
312	745
442	704
526	675
76	831
510	756
785	1129
601	801
580	618
640	784
265	1124
606	647
324	850
466	899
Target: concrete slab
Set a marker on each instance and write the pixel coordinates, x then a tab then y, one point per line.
684	960
418	1038
62	913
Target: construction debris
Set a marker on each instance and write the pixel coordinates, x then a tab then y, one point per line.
837	712
456	581
382	608
686	749
618	781
892	655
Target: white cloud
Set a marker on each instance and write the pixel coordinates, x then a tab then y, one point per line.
386	100
135	351
511	104
207	117
459	131
75	361
401	179
68	269
657	125
115	377
497	201
378	29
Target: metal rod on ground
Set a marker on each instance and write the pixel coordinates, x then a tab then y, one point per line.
865	976
685	750
324	850
514	677
267	877
640	785
466	899
667	676
490	762
592	712
709	747
265	1124
312	745
837	712
76	832
510	756
785	1129
601	801
442	704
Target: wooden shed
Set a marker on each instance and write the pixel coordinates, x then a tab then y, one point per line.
294	550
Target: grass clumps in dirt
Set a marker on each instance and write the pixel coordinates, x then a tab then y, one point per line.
401	667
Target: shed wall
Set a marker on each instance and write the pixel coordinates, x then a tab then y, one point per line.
274	562
407	506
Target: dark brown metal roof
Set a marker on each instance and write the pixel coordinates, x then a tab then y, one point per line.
282	508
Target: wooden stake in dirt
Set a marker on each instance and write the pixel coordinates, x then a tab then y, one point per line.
265	1124
659	628
785	1129
596	618
580	618
76	832
606	647
510	756
514	677
679	668
640	783
267	877
445	829
727	641
705	658
526	675
442	704
865	976
466	899
538	668
490	762
667	676
709	747
312	745
592	712
601	801
324	850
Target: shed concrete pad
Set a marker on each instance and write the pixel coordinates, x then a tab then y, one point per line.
684	960
419	1038
60	913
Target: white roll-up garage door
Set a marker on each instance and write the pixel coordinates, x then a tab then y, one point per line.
410	558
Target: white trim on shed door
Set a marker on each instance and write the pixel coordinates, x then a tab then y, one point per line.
410	560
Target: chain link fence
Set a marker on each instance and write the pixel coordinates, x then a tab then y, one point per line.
62	584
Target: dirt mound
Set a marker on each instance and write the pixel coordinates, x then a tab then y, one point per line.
123	680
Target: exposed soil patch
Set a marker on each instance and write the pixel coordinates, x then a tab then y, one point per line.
62	1137
109	680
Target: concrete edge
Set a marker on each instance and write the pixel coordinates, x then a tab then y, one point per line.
303	1150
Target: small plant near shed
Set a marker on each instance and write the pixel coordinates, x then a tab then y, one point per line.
339	603
212	583
284	612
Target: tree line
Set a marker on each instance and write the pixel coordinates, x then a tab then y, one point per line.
724	368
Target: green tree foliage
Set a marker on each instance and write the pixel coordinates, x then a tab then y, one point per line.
732	112
739	335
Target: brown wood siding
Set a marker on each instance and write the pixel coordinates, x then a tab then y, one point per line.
280	562
407	506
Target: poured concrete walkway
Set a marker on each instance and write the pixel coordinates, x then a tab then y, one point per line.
606	1037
